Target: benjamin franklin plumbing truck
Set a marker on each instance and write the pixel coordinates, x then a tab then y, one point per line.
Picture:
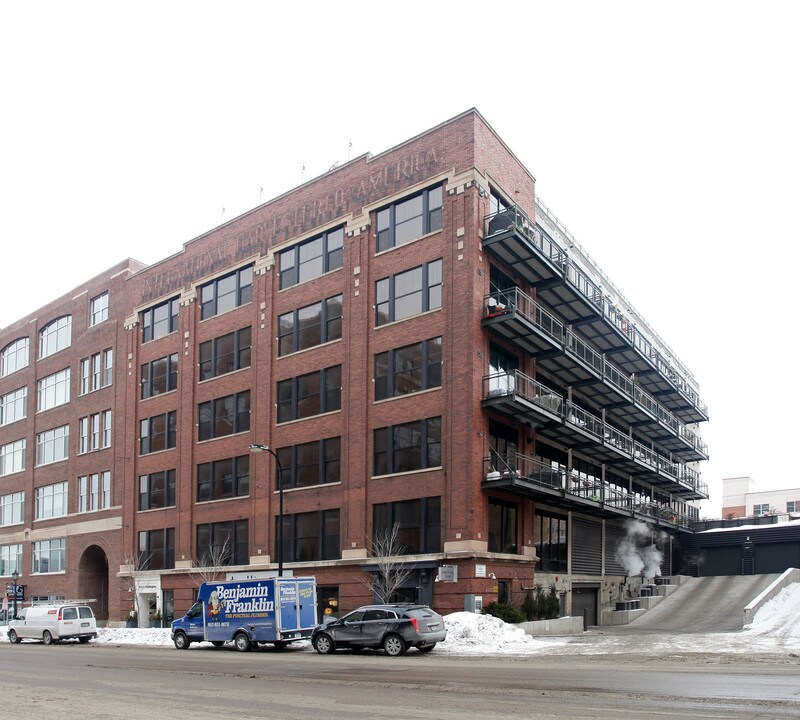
250	612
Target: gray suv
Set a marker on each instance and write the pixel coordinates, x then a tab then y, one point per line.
395	628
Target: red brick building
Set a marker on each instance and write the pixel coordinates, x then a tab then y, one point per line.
422	346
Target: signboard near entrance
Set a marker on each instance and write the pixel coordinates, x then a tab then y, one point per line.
448	573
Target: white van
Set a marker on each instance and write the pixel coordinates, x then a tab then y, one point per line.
51	623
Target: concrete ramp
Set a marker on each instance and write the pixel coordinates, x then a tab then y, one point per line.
702	605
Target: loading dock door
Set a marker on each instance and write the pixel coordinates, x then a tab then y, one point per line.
585	598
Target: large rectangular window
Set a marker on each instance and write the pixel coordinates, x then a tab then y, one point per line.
408	293
52	445
14	356
97	371
159	320
50	556
55	336
224	416
225	354
309	326
550	541
222	479
311	258
226	293
12	457
12	509
157	490
312	394
157	549
54	390
223	543
411	446
94	432
159	376
312	463
409	219
157	433
311	536
98	309
408	369
502	527
14	406
94	492
51	501
418	524
10	559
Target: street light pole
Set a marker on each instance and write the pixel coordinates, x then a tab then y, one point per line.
279	540
15	577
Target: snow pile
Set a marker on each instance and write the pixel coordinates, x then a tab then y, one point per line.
780	616
468	633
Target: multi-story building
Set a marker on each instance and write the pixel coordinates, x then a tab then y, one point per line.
740	499
422	346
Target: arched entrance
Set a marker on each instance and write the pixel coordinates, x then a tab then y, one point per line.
93	580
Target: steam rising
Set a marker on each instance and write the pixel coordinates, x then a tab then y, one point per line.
637	553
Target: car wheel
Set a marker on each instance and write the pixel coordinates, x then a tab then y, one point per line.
427	648
181	641
13	637
217	643
83	640
242	642
47	638
324	644
394	645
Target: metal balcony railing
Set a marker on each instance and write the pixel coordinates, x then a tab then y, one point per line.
578	417
518	383
514	299
519	466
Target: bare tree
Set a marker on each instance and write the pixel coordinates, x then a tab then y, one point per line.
392	573
210	565
133	563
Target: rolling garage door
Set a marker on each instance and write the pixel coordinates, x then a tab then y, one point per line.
586	547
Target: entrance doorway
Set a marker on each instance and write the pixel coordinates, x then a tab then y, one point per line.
93	581
584	602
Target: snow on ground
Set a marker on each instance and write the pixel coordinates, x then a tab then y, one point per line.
775	629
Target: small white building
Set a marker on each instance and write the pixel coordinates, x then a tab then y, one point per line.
741	499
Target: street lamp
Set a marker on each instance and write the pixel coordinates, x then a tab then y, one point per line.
15	577
279	543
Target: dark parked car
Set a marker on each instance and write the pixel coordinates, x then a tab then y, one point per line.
395	628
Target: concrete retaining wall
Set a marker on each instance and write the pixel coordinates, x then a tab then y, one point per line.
792	575
557	626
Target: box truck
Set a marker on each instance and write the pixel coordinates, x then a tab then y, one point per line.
273	611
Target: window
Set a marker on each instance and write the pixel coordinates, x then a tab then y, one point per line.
223	479
159	376
762	509
12	457
496	203
223	543
14	406
98	309
792	506
310	326
312	463
94	432
55	336
157	490
94	492
312	394
408	293
411	446
408	369
157	549
550	541
225	354
409	219
157	433
159	320
14	356
502	527
51	501
12	509
10	559
54	390
418	524
226	293
97	371
311	258
50	556
224	416
52	445
311	536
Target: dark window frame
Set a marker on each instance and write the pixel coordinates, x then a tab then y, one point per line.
213	536
552	555
238	417
290	400
209	356
212	487
430	370
149	323
149	557
291	330
157	485
327	463
209	293
388	442
386	293
429	523
148	377
505	538
332	257
328	545
387	223
146	434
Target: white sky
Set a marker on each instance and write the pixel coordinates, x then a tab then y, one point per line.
665	137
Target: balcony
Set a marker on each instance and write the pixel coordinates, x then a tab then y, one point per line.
523	398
